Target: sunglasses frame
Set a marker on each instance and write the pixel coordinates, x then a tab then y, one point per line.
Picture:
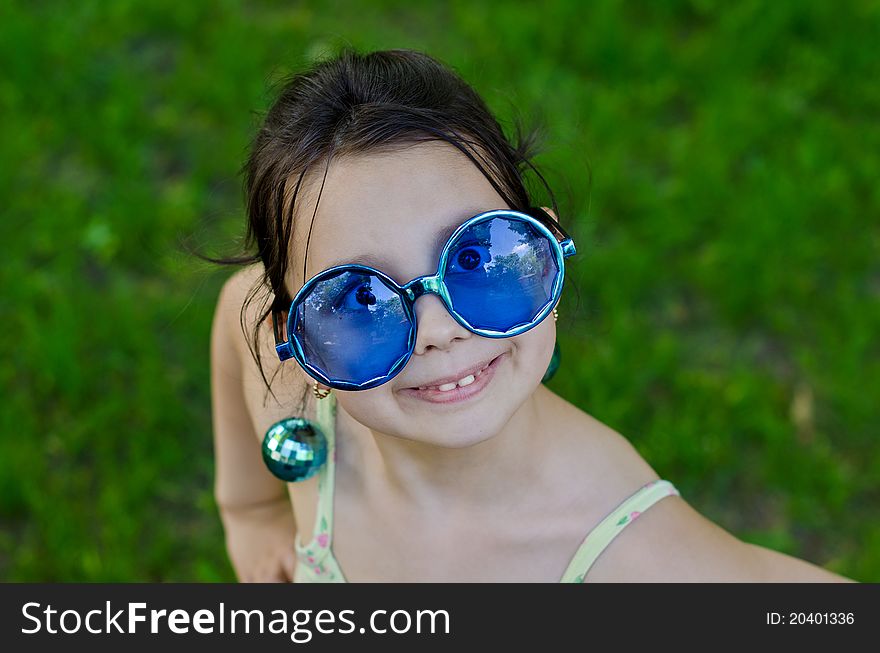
412	290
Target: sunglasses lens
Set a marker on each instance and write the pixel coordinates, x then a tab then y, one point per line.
500	273
352	326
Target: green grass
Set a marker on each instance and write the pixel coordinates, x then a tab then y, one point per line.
728	284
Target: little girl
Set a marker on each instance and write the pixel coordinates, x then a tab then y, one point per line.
383	197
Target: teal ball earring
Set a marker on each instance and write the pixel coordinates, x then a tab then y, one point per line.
555	358
294	449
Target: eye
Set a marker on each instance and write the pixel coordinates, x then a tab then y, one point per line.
356	297
470	257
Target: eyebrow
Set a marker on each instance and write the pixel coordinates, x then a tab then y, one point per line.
440	238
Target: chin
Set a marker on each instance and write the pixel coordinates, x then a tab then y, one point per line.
457	430
455	438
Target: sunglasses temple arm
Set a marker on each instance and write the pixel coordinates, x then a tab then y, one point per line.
567	244
282	348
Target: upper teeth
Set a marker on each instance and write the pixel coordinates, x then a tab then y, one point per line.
446	387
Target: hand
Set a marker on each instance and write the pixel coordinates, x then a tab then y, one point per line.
260	541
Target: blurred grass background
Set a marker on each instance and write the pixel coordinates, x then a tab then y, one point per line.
723	315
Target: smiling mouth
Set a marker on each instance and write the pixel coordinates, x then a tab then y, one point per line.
462	382
459	390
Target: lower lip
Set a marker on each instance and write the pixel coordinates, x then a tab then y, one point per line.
458	394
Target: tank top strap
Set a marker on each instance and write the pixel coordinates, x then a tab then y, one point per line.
319	545
611	526
326	417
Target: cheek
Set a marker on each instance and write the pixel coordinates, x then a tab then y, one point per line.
369	407
534	349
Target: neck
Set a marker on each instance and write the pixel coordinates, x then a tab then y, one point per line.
501	470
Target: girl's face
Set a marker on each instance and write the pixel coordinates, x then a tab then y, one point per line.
385	210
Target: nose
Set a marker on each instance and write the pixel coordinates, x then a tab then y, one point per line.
435	327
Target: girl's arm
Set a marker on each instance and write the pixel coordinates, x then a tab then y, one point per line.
778	567
673	543
254	505
695	549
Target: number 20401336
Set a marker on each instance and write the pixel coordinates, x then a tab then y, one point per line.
779	618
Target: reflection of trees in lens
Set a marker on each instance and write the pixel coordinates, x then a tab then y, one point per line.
481	232
521	256
335	291
321	299
526	230
536	251
384	310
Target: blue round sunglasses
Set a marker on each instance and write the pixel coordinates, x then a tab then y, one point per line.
500	273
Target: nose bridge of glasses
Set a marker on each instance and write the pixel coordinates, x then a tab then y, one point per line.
422	286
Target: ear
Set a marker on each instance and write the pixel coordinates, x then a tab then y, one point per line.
550	211
282	317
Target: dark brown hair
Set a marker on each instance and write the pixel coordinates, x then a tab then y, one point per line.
358	103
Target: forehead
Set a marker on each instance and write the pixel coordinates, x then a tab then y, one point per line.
387	209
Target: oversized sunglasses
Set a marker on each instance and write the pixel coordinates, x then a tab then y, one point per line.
500	273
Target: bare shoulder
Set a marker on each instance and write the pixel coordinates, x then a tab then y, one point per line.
233	296
673	542
670	541
270	387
